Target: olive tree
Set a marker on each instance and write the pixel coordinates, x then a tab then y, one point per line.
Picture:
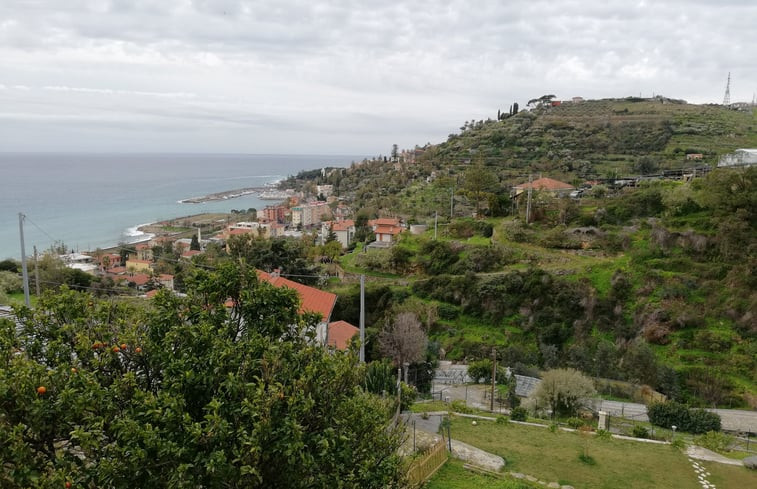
563	391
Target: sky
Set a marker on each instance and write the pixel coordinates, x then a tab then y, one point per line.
341	77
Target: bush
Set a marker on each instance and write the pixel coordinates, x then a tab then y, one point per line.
575	423
408	395
481	372
640	432
604	435
448	311
502	420
519	414
696	421
459	406
715	441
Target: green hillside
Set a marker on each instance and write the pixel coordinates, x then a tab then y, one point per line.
652	284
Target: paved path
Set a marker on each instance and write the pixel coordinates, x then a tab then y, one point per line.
426	433
700	453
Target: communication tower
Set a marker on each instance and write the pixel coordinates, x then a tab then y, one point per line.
727	97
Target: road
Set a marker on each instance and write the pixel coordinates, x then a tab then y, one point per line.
477	396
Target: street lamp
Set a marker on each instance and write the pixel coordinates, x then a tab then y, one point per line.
674	431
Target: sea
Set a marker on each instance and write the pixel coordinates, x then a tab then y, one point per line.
90	201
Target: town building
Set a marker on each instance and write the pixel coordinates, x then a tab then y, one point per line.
386	229
310	214
274	213
344	231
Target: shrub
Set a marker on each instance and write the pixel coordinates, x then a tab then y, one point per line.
481	372
519	414
408	395
604	435
575	423
448	311
587	459
715	441
640	432
502	420
459	406
696	421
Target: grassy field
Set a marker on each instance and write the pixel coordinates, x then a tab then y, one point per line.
454	476
618	463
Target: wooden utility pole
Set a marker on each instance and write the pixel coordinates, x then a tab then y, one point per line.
494	375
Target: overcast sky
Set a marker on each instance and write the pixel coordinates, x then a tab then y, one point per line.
341	77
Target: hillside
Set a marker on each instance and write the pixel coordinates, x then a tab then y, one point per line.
653	284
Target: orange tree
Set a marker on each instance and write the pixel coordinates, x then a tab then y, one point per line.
185	393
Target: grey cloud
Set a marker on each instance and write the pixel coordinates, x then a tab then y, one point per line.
289	64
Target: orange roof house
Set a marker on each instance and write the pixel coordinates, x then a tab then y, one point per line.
340	334
386	229
312	300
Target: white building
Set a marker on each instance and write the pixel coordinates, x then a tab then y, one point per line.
740	157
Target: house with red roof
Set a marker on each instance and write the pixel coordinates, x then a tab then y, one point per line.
340	334
312	300
386	229
344	231
187	255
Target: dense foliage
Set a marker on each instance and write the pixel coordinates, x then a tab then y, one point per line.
186	393
697	421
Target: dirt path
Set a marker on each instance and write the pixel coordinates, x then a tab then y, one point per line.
700	453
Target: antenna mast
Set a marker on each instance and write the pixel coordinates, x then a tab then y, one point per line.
727	97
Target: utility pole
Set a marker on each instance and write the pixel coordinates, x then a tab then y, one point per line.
451	202
436	223
528	201
24	270
494	375
36	270
362	318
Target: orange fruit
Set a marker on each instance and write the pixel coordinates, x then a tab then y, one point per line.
41	390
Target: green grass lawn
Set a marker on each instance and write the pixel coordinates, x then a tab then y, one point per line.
619	463
454	476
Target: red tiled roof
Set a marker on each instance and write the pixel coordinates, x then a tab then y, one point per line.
340	334
190	253
142	246
343	225
165	276
117	270
139	278
152	293
311	299
545	184
393	230
385	221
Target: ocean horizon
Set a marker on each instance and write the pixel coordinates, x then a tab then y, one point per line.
98	200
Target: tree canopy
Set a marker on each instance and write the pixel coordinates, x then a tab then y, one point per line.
185	393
